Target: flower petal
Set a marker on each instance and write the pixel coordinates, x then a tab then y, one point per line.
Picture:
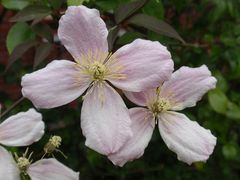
22	129
141	98
145	64
50	169
81	30
187	86
187	138
8	167
105	120
142	126
55	85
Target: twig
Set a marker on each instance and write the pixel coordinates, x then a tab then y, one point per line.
11	107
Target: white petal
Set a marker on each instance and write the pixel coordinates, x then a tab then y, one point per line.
105	120
145	64
81	30
187	86
22	129
51	169
142	126
8	167
141	98
55	85
187	138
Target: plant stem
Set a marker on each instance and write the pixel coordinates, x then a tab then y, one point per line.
12	106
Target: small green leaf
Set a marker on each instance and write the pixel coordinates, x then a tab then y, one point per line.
154	8
155	25
221	81
218	100
56	4
229	151
74	2
126	10
31	12
15	4
19	50
233	111
42	52
19	33
128	37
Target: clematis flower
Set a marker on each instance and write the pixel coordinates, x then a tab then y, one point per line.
44	169
22	129
188	139
105	120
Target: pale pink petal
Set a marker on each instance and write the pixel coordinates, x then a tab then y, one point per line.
51	169
22	129
187	138
57	84
8	167
142	125
144	64
81	30
105	120
187	86
141	98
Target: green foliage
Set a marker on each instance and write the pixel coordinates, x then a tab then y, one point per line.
19	33
15	4
211	34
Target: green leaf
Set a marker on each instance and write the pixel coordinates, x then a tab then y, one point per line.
19	51
128	37
15	4
126	10
74	2
42	52
19	33
44	31
154	8
31	12
155	25
106	5
112	36
221	81
233	111
56	4
218	100
229	151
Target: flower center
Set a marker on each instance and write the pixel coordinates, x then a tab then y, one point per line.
97	70
23	163
53	143
160	105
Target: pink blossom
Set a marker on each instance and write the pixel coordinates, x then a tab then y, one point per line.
135	67
186	138
44	169
22	129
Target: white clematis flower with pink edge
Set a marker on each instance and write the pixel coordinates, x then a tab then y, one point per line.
23	129
44	169
186	138
135	67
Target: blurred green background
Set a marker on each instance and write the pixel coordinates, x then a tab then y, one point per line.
211	33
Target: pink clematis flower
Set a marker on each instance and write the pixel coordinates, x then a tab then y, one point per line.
105	120
44	169
188	139
22	129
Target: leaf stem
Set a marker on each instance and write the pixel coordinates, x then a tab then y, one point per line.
12	106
